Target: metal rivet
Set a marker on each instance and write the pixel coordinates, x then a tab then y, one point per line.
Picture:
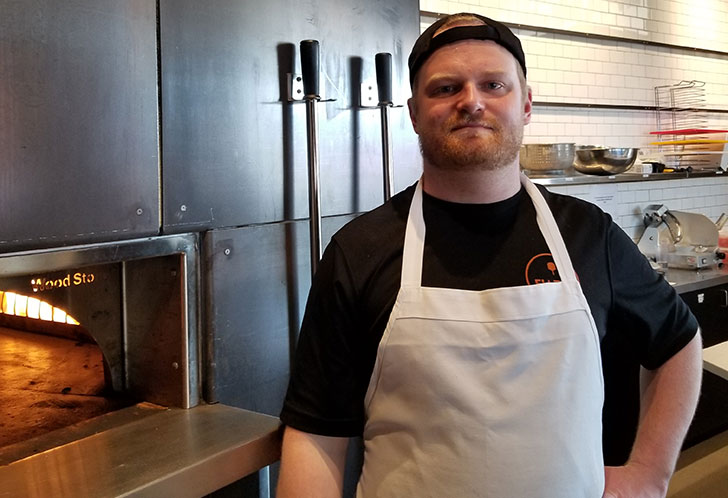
175	365
139	211
183	207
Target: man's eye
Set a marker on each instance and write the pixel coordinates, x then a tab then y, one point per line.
494	85
445	89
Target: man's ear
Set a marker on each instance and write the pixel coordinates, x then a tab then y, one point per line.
528	106
412	112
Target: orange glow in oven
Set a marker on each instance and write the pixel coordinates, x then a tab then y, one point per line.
12	303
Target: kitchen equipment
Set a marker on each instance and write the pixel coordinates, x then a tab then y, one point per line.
694	141
700	151
310	73
723	239
685	139
687	131
383	65
694	148
680	106
553	159
598	160
678	239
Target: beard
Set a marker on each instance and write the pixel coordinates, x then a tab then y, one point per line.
490	150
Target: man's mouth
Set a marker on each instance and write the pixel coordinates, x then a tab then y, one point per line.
472	125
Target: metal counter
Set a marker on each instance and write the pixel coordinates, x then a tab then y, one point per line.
691	280
175	452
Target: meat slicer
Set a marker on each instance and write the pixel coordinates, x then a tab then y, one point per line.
678	239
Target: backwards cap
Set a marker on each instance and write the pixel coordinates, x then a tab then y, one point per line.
428	42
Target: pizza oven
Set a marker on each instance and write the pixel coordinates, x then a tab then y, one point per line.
90	332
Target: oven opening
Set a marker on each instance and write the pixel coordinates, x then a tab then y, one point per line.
86	347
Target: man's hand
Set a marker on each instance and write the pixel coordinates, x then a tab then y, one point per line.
632	481
669	396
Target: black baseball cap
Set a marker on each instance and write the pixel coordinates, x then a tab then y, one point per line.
428	42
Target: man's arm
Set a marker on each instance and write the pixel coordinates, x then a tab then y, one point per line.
669	397
312	466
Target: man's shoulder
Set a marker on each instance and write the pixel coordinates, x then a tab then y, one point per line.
378	228
590	233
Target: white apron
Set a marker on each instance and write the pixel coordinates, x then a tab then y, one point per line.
495	393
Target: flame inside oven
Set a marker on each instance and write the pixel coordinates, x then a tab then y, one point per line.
12	303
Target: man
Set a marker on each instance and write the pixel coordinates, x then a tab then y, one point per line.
461	328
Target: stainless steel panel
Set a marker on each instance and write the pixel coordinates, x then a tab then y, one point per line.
156	330
60	258
66	435
235	149
258	281
78	122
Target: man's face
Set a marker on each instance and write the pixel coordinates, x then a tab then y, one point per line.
468	107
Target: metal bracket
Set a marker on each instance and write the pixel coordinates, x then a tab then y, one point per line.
295	87
368	96
295	90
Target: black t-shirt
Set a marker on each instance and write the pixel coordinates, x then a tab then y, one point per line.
640	318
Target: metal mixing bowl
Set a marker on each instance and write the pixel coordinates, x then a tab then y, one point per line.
547	157
597	160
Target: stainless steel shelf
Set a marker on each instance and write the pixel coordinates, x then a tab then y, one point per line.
575	178
625	107
176	452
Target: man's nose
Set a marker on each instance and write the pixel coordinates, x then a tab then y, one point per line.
471	99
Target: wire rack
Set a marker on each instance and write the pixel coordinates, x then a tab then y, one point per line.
682	121
681	106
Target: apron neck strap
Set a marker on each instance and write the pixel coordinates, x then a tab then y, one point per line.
550	230
414	242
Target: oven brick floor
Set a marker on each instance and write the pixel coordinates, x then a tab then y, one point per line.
47	383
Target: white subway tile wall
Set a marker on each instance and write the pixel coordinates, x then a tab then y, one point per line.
579	69
610	127
708	196
583	70
688	23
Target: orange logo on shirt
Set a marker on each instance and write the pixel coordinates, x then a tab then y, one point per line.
542	269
